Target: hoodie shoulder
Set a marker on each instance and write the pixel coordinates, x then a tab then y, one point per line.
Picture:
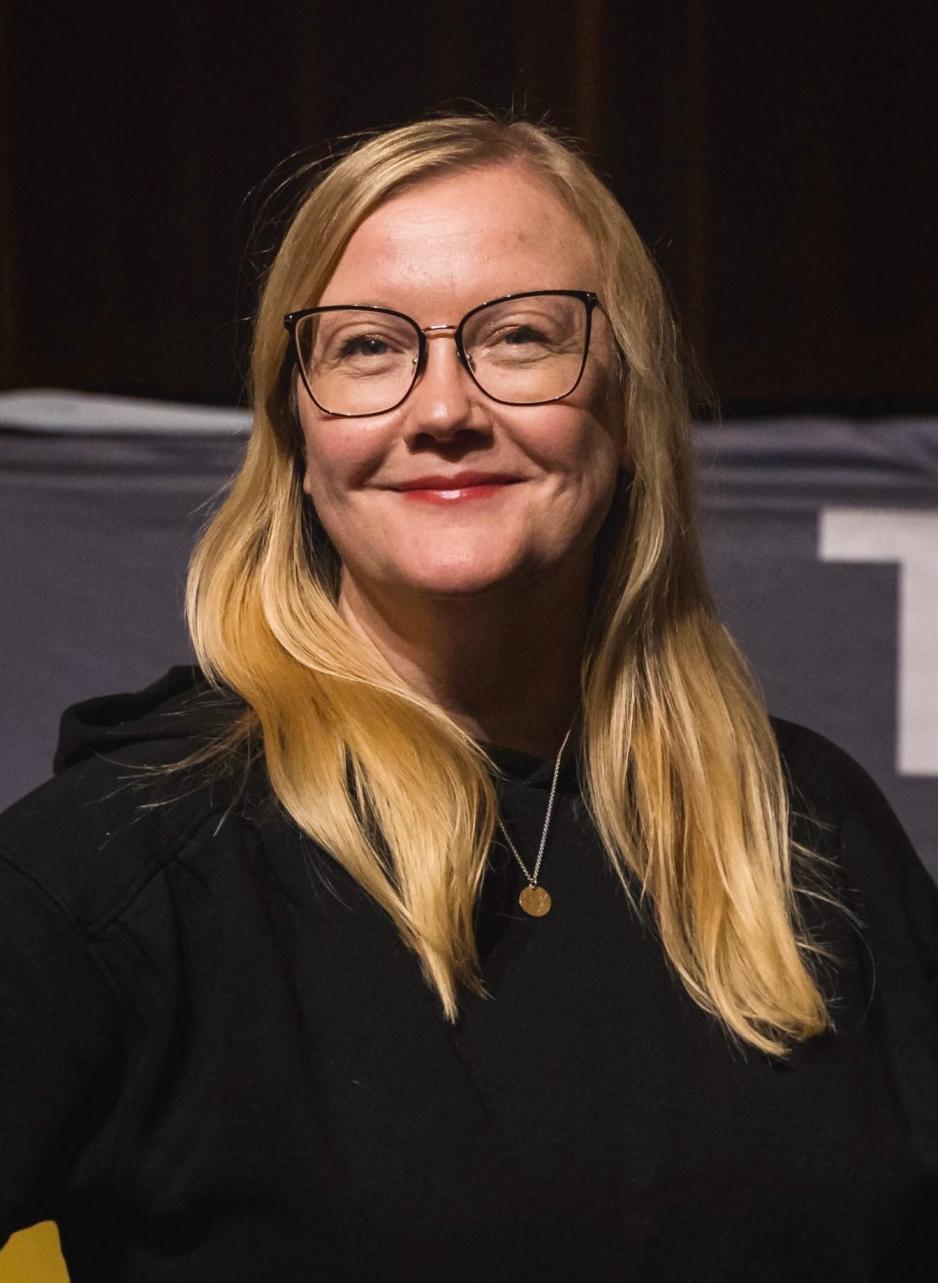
113	814
820	773
882	875
830	788
829	785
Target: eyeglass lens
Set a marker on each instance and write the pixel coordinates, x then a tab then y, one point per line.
524	350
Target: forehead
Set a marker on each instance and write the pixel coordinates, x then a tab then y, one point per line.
455	241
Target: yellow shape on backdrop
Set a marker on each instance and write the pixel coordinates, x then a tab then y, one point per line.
33	1256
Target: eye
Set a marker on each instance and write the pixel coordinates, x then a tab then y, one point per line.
515	341
520	334
363	345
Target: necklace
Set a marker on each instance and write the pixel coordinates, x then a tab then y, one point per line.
534	899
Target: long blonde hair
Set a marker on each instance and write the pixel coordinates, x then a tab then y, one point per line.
683	777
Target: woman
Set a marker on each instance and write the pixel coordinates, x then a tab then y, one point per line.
488	929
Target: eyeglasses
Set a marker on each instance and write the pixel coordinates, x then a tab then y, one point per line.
523	349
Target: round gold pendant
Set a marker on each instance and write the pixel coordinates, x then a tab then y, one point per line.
535	901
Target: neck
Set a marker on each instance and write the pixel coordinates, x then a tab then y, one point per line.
504	665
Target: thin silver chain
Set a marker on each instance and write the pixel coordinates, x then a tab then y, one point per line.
532	878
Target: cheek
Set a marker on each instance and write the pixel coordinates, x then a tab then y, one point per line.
322	472
338	457
604	472
594	466
583	449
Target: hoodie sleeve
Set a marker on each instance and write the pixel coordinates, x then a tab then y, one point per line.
59	1050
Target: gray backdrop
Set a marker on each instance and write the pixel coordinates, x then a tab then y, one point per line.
821	537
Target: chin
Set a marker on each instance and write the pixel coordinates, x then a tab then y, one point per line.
458	581
456	589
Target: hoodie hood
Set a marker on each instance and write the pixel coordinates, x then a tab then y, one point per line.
183	706
178	706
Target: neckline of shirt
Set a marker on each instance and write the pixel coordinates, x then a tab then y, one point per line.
531	771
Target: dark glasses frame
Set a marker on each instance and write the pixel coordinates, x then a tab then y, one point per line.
589	300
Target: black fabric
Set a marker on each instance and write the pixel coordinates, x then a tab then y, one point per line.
220	1062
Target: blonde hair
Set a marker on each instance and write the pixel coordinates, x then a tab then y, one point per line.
683	777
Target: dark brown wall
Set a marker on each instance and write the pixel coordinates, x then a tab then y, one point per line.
779	159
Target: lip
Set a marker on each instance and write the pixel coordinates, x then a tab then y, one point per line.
457	481
457	488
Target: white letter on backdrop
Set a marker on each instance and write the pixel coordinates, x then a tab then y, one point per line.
911	539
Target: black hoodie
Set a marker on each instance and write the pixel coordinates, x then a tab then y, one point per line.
220	1062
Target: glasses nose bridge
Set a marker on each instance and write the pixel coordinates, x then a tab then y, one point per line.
442	332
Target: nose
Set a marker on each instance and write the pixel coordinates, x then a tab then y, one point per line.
442	401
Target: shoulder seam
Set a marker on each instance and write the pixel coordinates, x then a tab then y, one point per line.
73	925
89	930
151	871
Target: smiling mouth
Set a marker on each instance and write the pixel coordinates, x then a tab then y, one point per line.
459	493
456	488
